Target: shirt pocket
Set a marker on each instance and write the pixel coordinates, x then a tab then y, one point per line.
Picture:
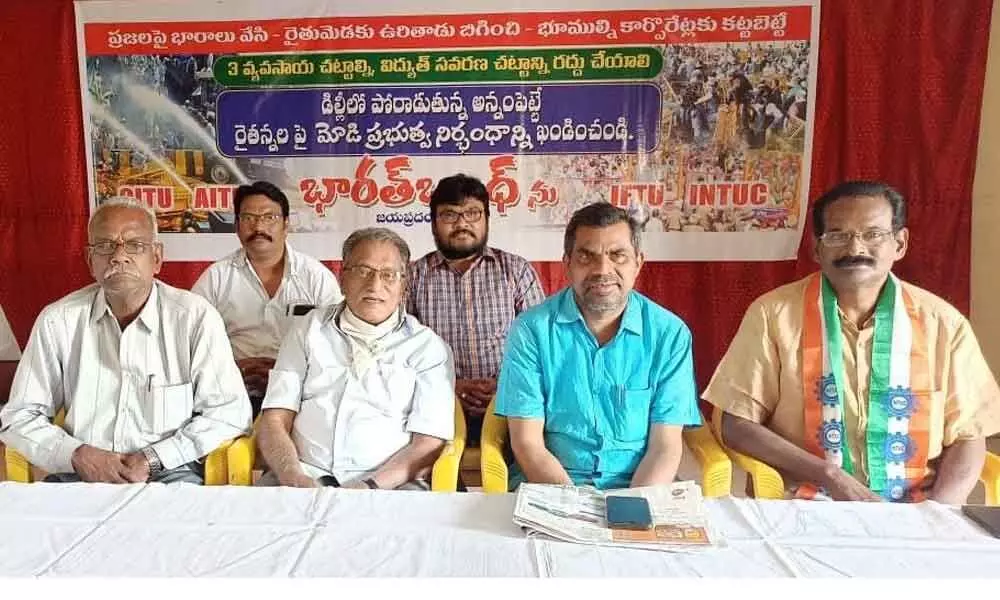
322	381
391	388
631	418
293	313
168	407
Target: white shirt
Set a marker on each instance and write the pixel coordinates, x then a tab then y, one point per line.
9	349
256	324
167	381
348	426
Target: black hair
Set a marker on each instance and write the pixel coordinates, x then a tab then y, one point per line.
455	189
599	214
262	188
850	189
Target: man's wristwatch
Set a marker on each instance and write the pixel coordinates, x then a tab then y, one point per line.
370	482
155	466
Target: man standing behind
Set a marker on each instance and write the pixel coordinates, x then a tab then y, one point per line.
143	371
468	292
598	381
262	287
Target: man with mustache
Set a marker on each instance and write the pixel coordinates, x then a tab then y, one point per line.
261	288
597	382
468	292
362	394
854	384
142	370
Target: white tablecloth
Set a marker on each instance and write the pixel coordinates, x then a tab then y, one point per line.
183	530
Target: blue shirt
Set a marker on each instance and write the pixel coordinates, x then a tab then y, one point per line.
598	402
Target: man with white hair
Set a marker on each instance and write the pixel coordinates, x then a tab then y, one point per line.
143	371
362	395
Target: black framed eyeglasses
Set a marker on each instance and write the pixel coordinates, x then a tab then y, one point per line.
473	215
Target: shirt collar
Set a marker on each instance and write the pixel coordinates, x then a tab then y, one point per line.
291	260
333	317
844	321
149	316
568	311
632	318
437	259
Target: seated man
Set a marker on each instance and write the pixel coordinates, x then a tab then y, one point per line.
143	371
853	383
362	395
597	382
469	293
261	288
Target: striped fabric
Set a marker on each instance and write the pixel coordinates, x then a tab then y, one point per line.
473	311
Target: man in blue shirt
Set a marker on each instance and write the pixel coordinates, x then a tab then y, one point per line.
597	382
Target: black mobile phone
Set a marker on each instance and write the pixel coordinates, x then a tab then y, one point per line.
302	309
628	512
329	480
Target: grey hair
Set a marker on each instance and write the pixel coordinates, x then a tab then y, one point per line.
124	202
375	234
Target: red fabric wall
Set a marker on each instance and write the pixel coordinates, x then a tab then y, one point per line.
899	97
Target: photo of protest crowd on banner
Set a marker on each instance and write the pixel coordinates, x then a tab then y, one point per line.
728	155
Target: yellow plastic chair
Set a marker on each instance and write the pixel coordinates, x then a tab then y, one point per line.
767	483
242	456
216	467
444	476
492	465
990	476
716	470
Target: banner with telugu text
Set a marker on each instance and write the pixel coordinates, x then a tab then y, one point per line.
696	116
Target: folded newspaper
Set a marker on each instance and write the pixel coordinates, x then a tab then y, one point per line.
576	514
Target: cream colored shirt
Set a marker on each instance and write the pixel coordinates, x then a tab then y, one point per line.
255	323
9	349
349	425
167	381
760	377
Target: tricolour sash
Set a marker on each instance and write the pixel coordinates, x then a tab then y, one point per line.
897	429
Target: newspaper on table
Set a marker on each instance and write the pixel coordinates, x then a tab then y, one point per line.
576	514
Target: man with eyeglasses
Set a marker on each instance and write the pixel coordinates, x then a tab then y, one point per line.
261	288
468	292
597	382
854	384
142	370
362	395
